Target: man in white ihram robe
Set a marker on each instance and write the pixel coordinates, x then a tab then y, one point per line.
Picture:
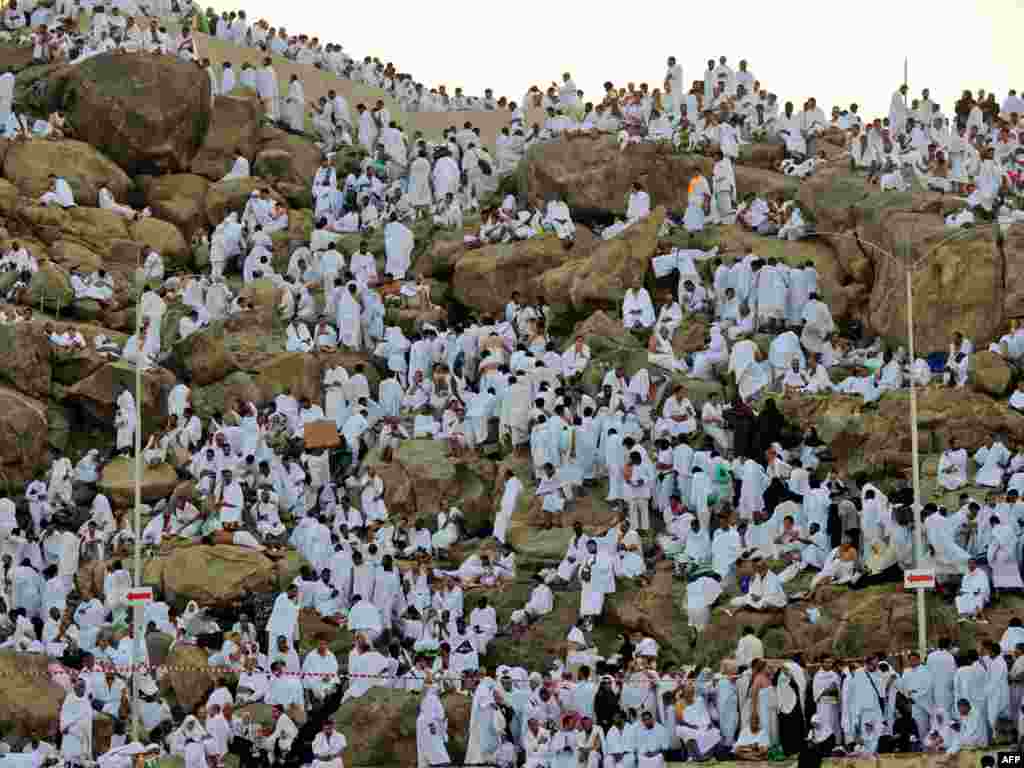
765	592
398	245
637	309
509	498
266	86
1003	557
125	421
349	318
76	718
295	105
284	618
953	468
974	591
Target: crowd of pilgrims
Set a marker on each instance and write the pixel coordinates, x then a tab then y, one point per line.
731	493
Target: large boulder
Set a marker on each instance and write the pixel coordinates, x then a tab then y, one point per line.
72	255
603	326
219	397
25	350
227	196
218	575
294	371
422	479
1013	257
600	280
189	675
593	173
962	274
50	288
234	127
992	374
438	261
381	726
96	229
23	435
31	702
286	158
179	199
97	395
150	114
117	481
165	239
203	356
28	165
762	155
485	278
651	611
874	439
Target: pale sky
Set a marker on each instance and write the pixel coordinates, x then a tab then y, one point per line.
839	53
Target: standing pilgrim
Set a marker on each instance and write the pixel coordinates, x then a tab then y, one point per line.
296	105
76	717
266	86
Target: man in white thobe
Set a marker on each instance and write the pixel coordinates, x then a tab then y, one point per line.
76	718
917	684
284	617
974	591
637	309
398	244
125	420
266	86
765	592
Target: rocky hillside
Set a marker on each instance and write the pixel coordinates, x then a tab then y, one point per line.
147	129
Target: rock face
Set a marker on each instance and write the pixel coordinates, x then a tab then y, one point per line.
189	676
422	479
879	440
600	280
381	727
23	435
963	276
118	482
178	199
1013	247
97	394
226	196
651	610
148	113
234	127
31	701
203	358
26	354
484	279
295	371
28	165
593	173
286	159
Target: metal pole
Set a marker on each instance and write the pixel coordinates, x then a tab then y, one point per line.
922	618
137	567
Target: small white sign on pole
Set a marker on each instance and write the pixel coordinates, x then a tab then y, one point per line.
921	578
139	595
